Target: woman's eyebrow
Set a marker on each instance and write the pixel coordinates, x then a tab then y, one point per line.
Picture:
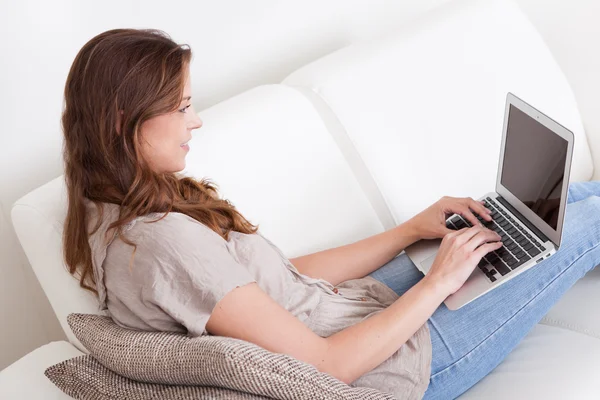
186	98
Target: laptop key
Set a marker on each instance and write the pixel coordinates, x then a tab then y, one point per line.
512	261
527	257
533	251
527	246
518	264
501	252
520	254
519	236
492	258
501	267
522	241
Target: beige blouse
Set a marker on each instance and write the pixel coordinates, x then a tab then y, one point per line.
182	269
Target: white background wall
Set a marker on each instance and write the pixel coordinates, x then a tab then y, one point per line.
237	45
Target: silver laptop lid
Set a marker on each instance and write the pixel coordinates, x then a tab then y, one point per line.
534	166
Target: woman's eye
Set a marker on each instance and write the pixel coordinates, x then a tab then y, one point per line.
185	108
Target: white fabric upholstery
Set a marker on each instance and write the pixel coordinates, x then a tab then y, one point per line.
439	85
25	379
356	143
550	363
38	221
273	158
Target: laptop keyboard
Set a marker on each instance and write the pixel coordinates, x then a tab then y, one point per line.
518	245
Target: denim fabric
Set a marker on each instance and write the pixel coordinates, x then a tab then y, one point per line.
470	342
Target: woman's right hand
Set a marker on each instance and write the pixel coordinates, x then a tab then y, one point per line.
459	254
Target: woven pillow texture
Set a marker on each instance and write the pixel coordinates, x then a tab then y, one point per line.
170	358
84	378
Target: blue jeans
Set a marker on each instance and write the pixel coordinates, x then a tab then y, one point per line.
470	342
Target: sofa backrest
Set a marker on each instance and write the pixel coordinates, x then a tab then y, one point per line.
422	107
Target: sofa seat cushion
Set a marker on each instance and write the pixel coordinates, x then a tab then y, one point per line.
550	363
24	379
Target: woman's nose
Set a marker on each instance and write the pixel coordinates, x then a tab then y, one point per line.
196	123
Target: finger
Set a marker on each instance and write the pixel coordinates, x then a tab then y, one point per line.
457	232
467	214
480	209
446	231
486	248
466	234
484	236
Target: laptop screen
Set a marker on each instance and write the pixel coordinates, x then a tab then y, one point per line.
534	165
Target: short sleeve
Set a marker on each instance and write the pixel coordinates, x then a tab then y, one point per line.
192	270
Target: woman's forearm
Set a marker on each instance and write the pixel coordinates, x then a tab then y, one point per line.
358	349
357	260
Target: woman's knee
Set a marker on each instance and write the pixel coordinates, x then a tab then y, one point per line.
578	191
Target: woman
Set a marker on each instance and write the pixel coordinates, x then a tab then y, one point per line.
164	252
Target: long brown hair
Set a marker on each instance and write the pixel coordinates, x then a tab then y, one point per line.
140	74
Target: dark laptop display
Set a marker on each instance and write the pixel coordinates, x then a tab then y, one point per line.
534	164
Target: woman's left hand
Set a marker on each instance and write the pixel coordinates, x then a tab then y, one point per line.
431	222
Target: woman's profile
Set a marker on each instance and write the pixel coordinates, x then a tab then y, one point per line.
164	252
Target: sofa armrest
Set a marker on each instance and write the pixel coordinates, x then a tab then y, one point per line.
25	379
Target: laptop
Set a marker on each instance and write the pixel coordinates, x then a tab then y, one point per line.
528	204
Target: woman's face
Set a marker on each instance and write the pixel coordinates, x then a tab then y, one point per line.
165	137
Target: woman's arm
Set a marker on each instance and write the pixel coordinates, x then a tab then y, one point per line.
356	260
359	259
249	314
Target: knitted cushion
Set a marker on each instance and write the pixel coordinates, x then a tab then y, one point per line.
84	378
218	361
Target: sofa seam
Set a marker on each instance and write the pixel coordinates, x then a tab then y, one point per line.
570	327
387	218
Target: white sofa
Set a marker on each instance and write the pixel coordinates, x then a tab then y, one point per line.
354	144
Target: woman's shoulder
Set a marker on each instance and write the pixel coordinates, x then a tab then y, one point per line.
173	224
